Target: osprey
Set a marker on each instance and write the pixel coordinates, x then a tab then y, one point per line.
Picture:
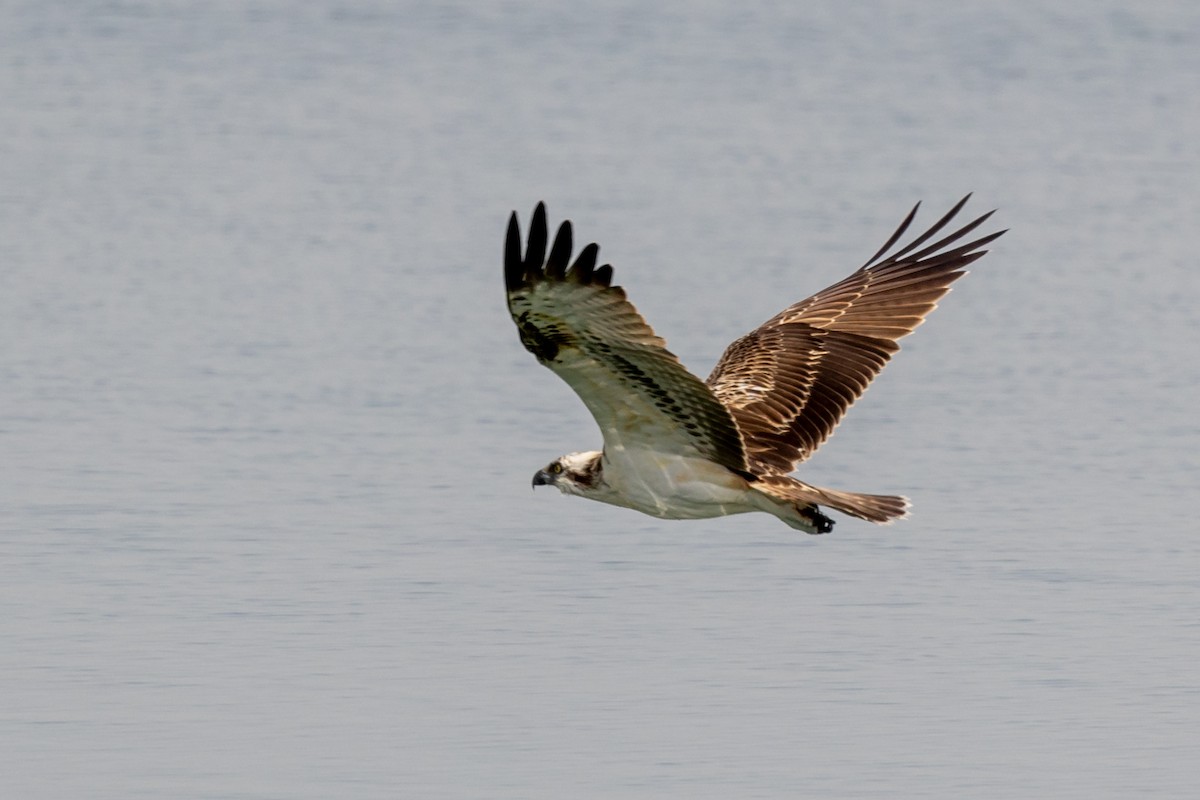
678	447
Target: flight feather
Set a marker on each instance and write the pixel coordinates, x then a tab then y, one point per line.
789	383
585	330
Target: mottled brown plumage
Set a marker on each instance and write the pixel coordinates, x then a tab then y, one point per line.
774	397
790	382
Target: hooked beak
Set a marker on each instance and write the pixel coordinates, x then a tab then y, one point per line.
540	478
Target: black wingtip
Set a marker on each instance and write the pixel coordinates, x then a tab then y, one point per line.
560	253
535	250
895	237
956	236
586	261
911	253
524	270
514	265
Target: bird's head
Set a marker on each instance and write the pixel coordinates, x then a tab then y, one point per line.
574	473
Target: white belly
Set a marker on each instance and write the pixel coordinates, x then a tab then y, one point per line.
673	487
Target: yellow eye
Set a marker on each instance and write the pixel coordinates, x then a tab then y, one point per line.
555	468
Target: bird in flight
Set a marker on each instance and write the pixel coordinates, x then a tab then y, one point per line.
677	447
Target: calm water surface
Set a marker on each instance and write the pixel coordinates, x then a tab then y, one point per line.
267	432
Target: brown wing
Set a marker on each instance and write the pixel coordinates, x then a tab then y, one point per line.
585	330
790	382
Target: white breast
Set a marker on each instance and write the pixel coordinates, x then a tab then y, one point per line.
673	486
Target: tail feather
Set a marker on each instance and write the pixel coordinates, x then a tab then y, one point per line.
881	509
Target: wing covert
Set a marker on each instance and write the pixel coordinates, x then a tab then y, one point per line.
789	383
585	330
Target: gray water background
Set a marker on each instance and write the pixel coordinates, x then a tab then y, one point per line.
266	431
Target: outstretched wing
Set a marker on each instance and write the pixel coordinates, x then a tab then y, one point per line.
789	383
595	340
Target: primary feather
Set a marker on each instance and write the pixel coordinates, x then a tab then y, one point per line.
678	447
789	383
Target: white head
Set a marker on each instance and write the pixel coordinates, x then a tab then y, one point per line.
574	473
